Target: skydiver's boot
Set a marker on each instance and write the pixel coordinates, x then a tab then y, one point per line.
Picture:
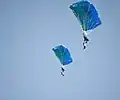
84	47
86	39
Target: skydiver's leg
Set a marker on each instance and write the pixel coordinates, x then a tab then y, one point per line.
62	69
85	39
84	44
62	74
84	47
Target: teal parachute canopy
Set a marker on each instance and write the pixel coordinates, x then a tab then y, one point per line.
63	54
86	14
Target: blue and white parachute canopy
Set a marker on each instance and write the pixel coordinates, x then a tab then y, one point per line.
86	14
63	54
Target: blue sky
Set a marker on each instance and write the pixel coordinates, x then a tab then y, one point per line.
29	69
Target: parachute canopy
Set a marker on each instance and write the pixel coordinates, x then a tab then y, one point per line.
63	54
86	14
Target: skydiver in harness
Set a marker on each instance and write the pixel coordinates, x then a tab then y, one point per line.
62	71
85	40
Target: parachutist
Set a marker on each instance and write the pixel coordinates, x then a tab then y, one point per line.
63	55
87	15
85	40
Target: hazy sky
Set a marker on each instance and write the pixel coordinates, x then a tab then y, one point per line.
29	69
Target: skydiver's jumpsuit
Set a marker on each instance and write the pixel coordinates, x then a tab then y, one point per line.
62	71
85	40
